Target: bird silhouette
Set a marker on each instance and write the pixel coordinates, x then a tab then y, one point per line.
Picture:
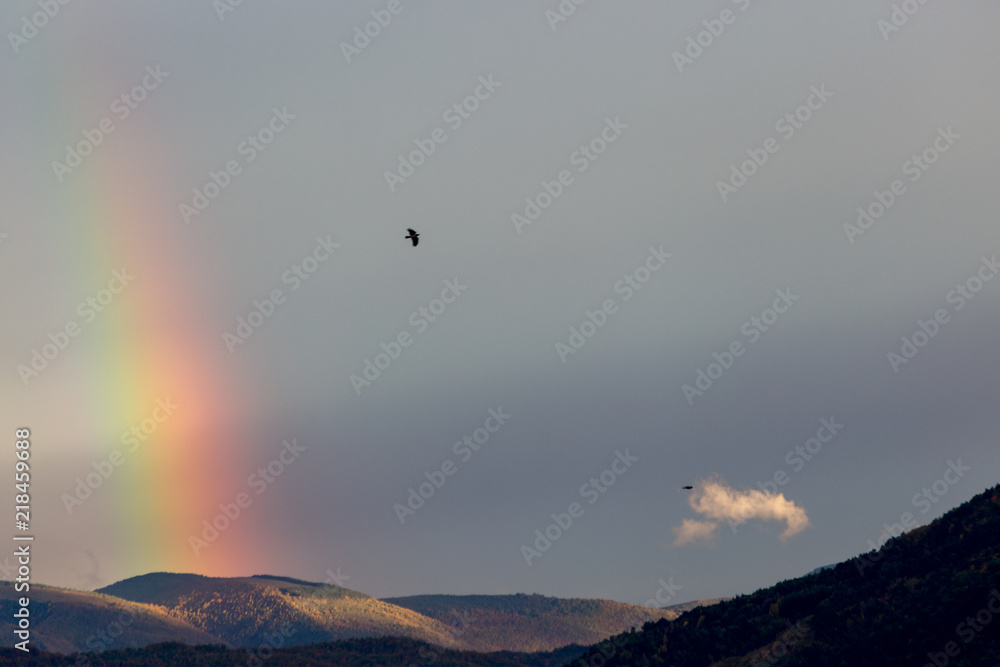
412	236
687	487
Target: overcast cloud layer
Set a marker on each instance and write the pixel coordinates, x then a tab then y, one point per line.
647	321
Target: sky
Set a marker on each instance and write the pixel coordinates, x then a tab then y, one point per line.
748	247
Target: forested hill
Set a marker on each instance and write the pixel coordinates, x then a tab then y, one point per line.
928	597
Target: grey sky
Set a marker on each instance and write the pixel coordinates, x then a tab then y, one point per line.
655	185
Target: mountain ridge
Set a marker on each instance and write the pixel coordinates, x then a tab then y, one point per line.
563	620
915	601
250	611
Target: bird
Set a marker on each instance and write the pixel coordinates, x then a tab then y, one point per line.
413	236
687	487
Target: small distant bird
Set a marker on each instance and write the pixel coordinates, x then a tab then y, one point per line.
687	487
412	236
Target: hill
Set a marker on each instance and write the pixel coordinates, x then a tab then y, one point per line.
65	620
927	597
530	622
243	611
279	611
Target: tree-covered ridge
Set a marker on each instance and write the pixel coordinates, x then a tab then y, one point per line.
530	622
911	603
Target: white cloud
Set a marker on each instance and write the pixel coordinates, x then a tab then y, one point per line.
692	530
717	501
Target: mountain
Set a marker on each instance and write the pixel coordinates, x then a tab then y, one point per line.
65	620
242	611
927	597
280	611
530	622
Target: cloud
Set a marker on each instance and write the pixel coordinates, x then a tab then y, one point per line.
718	501
692	530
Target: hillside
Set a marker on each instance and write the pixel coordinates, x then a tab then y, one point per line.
65	621
924	598
531	622
242	611
247	611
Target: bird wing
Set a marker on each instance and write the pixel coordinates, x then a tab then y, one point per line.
415	241
412	231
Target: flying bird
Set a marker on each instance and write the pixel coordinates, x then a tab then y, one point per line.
412	236
687	487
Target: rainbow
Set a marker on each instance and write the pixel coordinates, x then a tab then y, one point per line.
159	340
